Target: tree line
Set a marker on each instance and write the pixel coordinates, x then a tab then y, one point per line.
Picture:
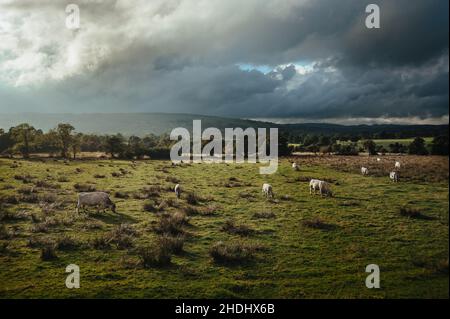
353	146
63	141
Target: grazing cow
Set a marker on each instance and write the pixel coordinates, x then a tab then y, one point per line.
398	165
95	199
394	176
295	166
364	171
178	190
267	190
323	187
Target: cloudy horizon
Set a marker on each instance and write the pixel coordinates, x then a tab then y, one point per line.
281	60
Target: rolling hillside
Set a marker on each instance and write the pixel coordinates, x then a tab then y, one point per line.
158	123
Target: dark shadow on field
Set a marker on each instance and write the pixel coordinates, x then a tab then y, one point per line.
346	198
113	218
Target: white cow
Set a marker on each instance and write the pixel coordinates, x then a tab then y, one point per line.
364	171
394	176
95	199
398	165
177	190
323	187
295	166
267	190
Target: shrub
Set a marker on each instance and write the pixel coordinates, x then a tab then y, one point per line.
99	176
241	230
233	252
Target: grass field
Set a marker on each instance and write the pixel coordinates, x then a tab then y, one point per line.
296	246
386	142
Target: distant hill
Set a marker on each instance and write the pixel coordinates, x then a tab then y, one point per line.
406	131
141	124
127	123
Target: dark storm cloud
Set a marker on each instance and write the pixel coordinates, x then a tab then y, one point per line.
183	56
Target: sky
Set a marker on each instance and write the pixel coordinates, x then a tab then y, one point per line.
282	60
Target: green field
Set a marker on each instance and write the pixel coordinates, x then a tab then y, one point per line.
311	247
385	142
406	141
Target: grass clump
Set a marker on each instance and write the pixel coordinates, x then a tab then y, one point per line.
100	242
414	213
154	256
232	252
264	215
85	188
174	244
122	236
121	195
67	243
172	224
231	227
5	233
192	199
318	223
48	252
